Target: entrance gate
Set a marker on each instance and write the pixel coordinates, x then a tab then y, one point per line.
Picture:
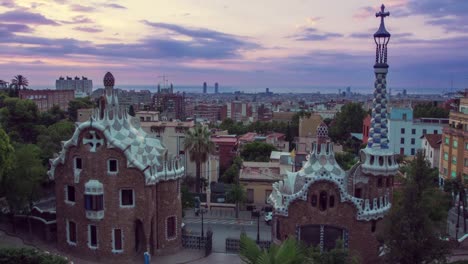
322	236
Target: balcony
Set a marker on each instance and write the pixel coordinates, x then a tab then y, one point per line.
459	117
459	132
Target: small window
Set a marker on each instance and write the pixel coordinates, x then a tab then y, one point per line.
373	226
445	156
142	118
402	131
466	145
92	236
379	182
127	198
402	140
424	131
413	141
413	131
447	140
71	232
444	171
436	132
148	118
94	202
70	193
358	193
454	174
323	201
454	160
171	227
404	117
78	163
332	201
465	162
112	165
455	143
313	200
117	240
412	151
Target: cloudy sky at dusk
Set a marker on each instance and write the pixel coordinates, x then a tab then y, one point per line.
274	43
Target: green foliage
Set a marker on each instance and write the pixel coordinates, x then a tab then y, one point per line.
346	160
6	154
22	185
414	227
348	120
237	195
52	116
297	116
19	118
50	138
187	198
257	151
78	103
28	256
199	145
289	252
231	175
429	110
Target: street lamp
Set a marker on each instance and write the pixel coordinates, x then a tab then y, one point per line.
202	212
257	213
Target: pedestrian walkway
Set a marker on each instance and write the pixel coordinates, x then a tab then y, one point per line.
220	221
219	213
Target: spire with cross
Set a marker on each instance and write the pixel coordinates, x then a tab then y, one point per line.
381	38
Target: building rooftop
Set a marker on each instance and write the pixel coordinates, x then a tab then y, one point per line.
433	139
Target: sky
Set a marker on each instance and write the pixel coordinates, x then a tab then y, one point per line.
243	43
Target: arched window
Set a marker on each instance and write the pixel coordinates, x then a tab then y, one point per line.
323	201
374	225
372	160
332	201
381	161
313	200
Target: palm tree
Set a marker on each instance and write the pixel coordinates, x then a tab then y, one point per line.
289	252
237	195
19	81
199	145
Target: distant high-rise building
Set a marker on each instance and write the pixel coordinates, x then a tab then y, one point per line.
204	87
80	86
216	88
171	105
267	90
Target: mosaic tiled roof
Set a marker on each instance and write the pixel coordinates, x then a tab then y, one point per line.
143	151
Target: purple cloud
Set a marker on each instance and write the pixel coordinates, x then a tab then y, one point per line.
20	16
312	34
88	29
15	28
117	6
81	8
78	20
8	3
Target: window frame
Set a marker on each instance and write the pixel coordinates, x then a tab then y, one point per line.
121	196
67	200
69	241
75	163
109	172
114	250
174	234
90	237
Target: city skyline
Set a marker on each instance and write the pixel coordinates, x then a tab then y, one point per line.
241	44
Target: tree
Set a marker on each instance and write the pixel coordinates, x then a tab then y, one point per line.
232	173
348	120
289	252
346	160
131	110
78	103
52	116
414	227
6	154
430	110
29	256
257	151
19	118
18	82
199	145
50	138
22	185
237	195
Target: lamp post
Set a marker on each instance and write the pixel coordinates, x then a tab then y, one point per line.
256	213
202	212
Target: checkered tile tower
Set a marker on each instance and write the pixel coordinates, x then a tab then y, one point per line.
377	158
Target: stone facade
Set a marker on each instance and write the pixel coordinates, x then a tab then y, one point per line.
112	176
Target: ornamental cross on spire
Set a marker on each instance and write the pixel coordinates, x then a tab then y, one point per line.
382	14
